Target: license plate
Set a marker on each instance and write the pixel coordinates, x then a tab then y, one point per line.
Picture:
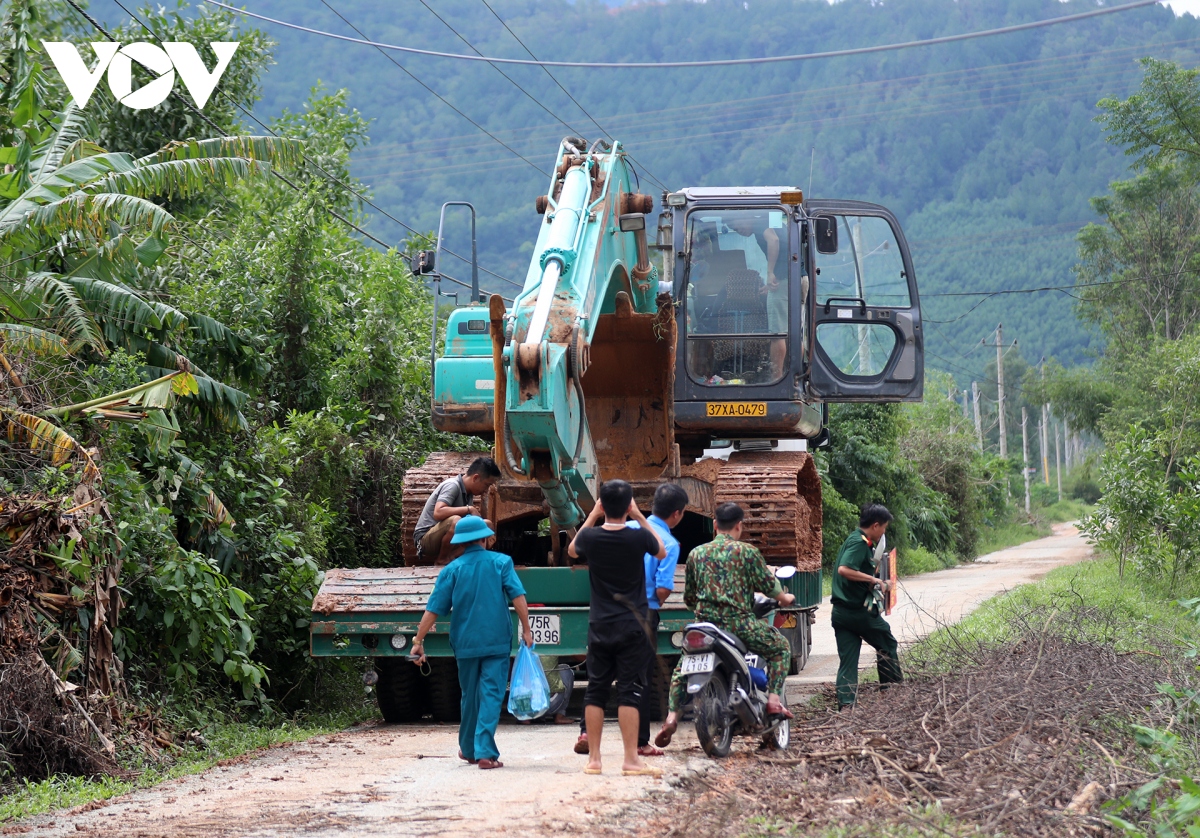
693	664
545	628
735	409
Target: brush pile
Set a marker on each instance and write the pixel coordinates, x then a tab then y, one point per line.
1029	737
60	681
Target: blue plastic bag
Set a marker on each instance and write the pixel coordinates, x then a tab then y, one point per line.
528	692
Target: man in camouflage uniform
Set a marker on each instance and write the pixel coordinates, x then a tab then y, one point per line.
722	577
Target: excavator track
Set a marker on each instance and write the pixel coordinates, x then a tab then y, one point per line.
781	494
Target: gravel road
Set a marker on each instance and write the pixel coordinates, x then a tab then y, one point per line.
405	780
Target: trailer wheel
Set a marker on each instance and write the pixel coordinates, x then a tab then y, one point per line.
400	690
660	686
445	696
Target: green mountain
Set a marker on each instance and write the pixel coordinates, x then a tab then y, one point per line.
986	149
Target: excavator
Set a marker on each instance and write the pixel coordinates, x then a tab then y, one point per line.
752	311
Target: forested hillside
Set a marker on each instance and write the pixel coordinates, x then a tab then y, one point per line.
987	149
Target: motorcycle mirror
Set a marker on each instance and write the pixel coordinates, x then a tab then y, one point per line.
786	572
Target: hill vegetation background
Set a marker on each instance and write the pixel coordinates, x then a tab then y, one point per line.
986	149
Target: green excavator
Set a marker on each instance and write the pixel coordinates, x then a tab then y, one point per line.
751	311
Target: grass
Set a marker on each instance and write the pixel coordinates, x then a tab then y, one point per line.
1018	531
223	741
1144	612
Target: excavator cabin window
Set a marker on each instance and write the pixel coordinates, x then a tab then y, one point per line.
737	296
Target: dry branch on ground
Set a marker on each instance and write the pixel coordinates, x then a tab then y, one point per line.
1026	738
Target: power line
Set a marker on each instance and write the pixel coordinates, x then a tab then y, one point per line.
809	98
328	175
220	131
726	62
564	90
443	99
510	79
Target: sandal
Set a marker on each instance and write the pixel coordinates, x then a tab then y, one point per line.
592	771
650	751
644	771
486	764
779	710
472	761
581	745
664	736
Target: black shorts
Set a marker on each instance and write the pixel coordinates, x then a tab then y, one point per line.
620	653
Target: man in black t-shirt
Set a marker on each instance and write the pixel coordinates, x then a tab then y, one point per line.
619	639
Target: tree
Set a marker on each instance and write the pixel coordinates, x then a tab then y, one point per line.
1138	275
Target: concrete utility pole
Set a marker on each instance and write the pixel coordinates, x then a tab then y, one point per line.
1058	457
1066	432
978	421
1025	453
1044	427
1000	390
966	404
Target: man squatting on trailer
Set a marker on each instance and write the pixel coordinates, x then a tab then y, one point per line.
454	498
619	636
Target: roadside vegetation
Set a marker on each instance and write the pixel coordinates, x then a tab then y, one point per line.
210	390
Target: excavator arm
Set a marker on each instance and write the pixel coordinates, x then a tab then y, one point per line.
590	267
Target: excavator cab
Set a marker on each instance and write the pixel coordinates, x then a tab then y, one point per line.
782	306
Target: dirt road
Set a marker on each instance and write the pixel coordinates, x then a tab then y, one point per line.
404	780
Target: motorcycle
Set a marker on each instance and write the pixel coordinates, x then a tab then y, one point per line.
729	684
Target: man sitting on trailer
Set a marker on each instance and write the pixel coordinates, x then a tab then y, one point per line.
722	578
453	499
855	613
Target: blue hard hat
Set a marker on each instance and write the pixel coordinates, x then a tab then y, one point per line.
471	528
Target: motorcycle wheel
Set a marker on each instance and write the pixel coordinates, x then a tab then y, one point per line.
779	738
714	723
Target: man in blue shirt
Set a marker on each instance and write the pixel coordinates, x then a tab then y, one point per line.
670	501
475	590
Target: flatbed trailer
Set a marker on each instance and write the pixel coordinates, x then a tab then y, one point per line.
374	613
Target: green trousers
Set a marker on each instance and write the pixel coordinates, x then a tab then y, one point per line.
759	637
851	626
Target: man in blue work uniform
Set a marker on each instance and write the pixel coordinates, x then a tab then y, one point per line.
670	501
475	590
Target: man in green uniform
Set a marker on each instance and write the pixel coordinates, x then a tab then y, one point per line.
855	610
722	578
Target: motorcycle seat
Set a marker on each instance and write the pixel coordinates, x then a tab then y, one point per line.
731	639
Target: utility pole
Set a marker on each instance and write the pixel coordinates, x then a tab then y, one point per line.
1025	453
1000	390
1058	457
966	404
1066	432
1044	428
978	422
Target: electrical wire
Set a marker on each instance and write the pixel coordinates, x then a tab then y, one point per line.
218	129
809	98
510	79
546	70
726	62
428	88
